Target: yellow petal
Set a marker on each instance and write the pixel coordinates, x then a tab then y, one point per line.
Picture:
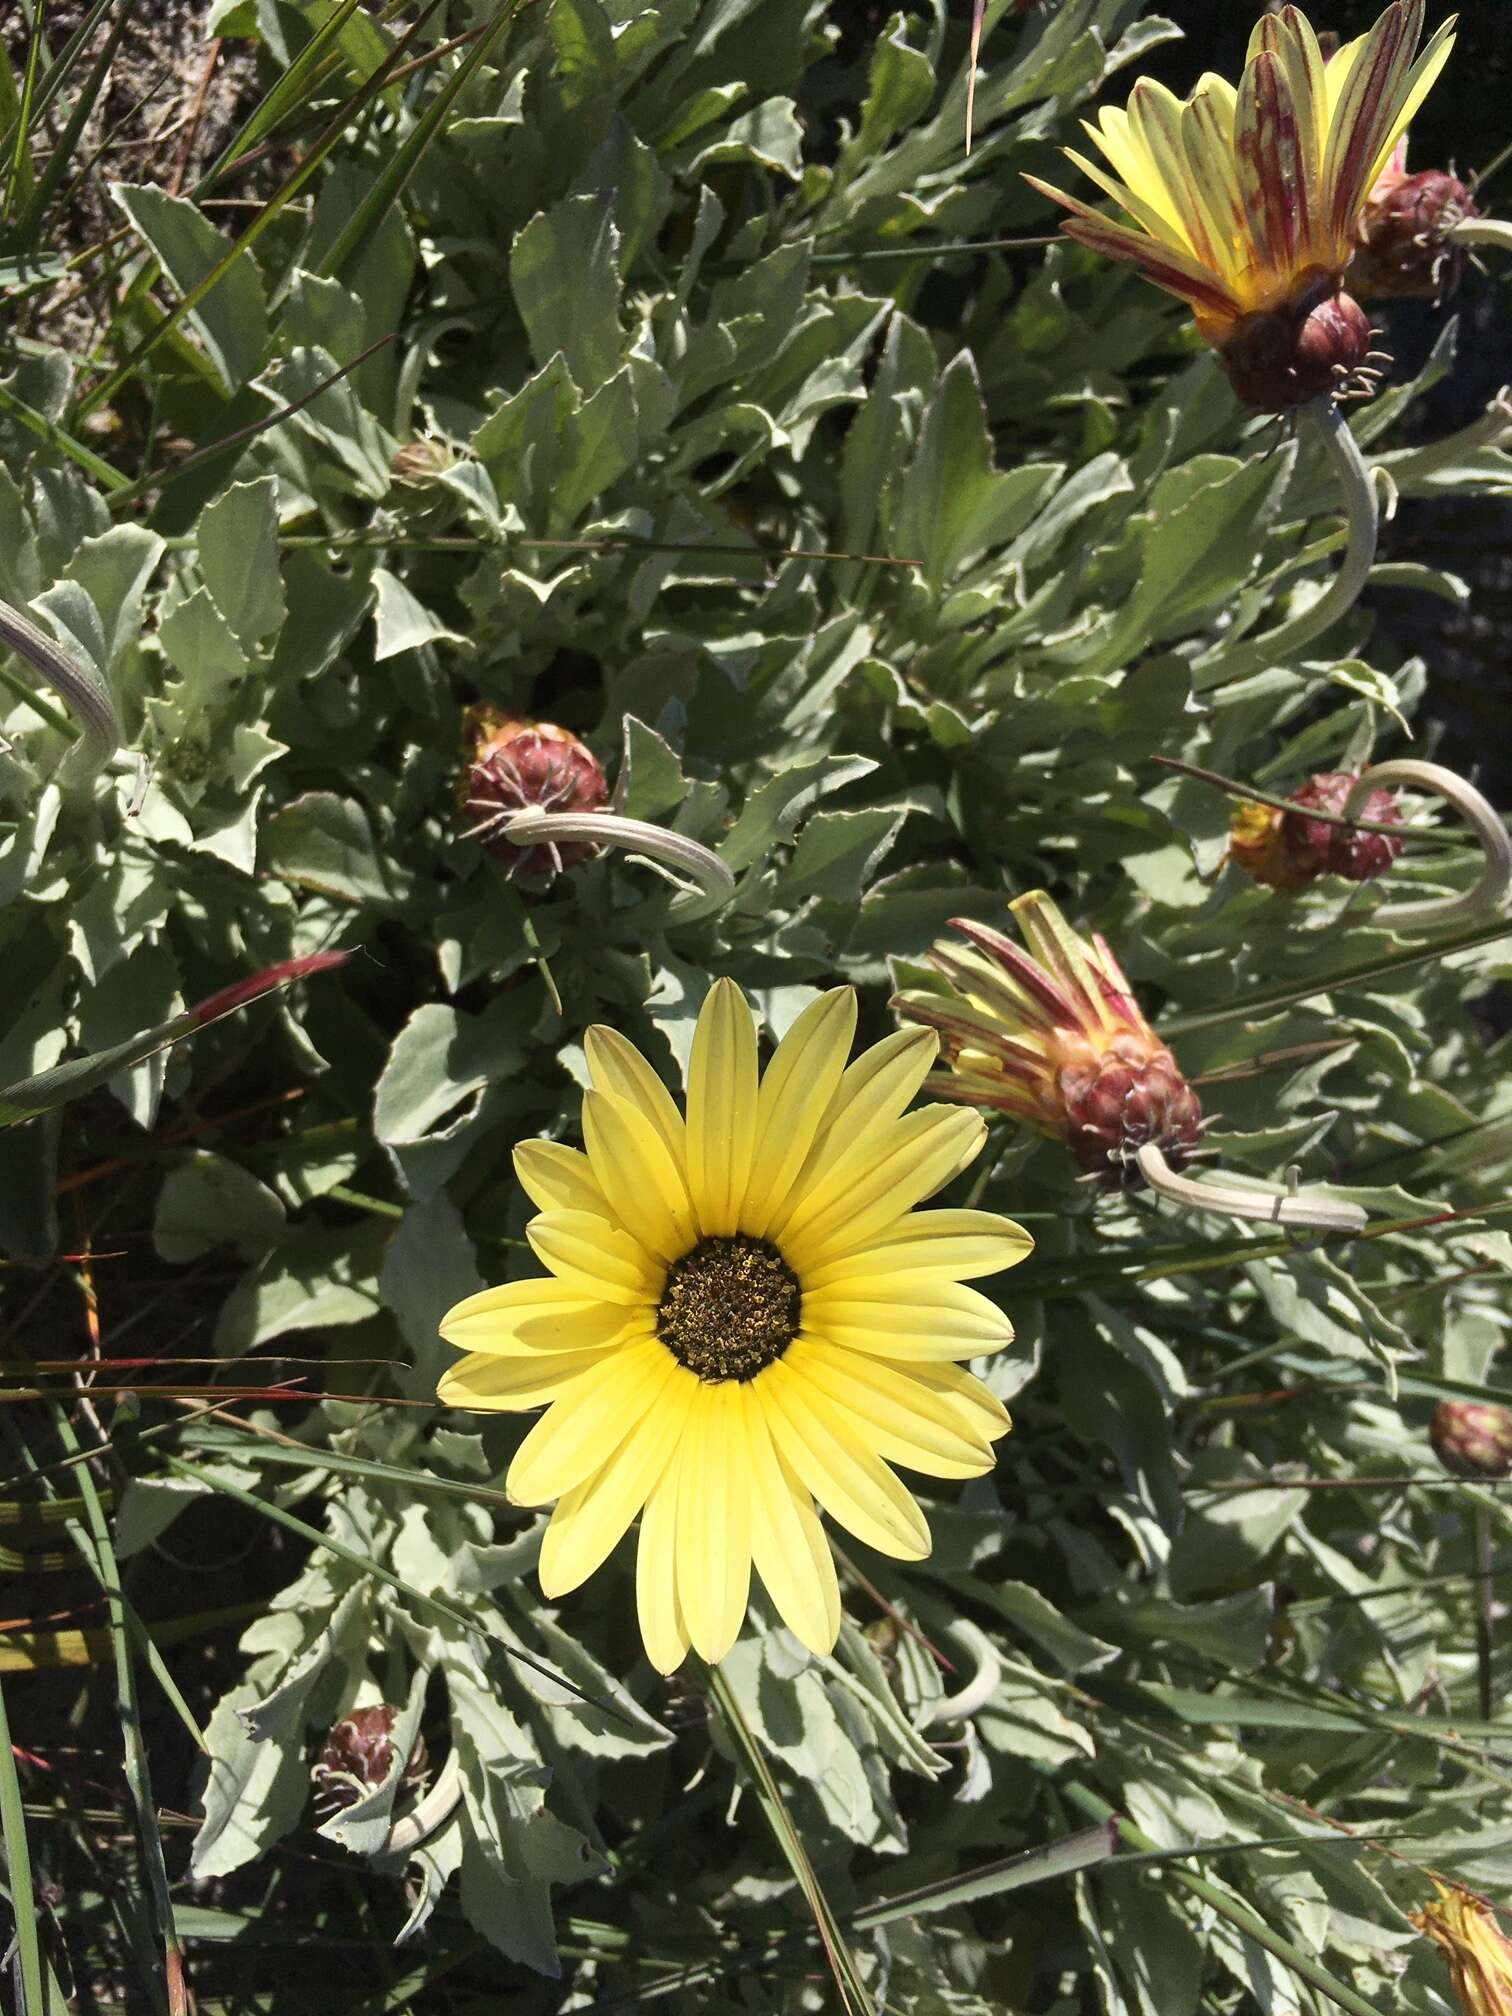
591	1518
661	1619
558	1178
791	1552
594	1258
637	1174
854	1486
958	1245
714	1521
494	1384
884	1175
616	1066
877	1087
903	1416
721	1109
583	1430
496	1313
902	1318
796	1090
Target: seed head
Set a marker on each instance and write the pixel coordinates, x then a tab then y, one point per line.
522	766
1405	249
1318	343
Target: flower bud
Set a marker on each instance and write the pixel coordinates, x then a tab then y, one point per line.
1479	1956
529	766
358	1756
1287	850
1472	1438
1283	357
1405	248
1054	1037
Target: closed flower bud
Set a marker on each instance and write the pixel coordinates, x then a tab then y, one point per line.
529	766
1287	850
1464	1928
1472	1438
1283	357
358	1756
1054	1037
1405	247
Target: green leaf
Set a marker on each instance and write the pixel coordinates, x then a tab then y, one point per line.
327	843
232	320
236	541
564	272
208	1201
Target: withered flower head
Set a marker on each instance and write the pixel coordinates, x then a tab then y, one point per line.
358	1756
1464	1928
523	766
1287	850
1405	249
1054	1037
1472	1438
1245	200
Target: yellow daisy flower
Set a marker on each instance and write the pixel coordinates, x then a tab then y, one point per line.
1246	201
1479	1953
744	1314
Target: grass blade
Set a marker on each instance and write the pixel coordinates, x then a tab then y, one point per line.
31	2001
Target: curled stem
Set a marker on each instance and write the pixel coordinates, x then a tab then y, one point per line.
1271	1207
99	724
433	1811
983	1684
1489	895
1483	231
1362	509
613	829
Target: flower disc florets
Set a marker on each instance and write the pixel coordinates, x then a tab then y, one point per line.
1054	1037
1287	850
524	766
1405	248
730	1308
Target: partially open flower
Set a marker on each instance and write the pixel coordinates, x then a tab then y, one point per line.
1246	201
1405	247
1287	850
528	766
1054	1037
1472	1438
1464	1927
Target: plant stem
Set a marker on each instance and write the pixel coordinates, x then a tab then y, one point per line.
1325	419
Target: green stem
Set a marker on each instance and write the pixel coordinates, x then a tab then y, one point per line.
1238	1915
32	2001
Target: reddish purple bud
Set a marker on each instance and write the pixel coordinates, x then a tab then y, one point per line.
529	766
1287	850
284	974
1133	1094
1283	357
1472	1438
1405	248
358	1756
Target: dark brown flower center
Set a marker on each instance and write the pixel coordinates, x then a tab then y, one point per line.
730	1308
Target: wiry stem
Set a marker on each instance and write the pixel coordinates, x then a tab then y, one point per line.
1489	895
612	829
1271	1207
1362	508
89	700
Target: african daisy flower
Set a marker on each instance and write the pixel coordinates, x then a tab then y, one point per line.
1246	202
1464	1928
744	1314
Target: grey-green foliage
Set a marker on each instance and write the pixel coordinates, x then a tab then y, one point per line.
655	379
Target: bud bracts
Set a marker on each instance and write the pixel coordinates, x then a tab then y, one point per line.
1054	1037
1472	1438
529	766
1287	850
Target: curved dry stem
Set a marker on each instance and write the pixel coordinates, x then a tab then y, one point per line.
1483	231
983	1684
1270	1207
612	829
90	703
434	1810
1362	509
1488	897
